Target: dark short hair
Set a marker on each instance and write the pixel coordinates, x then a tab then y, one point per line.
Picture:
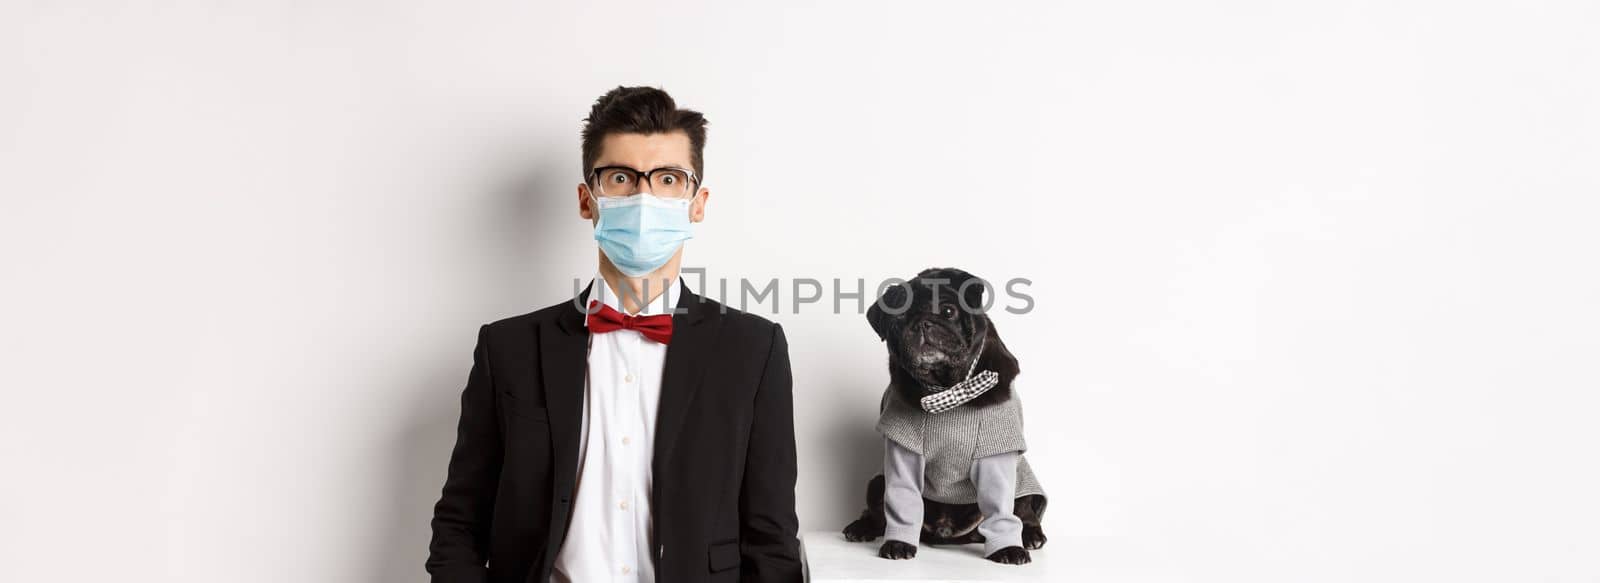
641	110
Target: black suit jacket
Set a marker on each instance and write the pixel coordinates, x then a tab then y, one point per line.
723	467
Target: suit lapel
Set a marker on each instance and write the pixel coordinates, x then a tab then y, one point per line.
563	359
694	336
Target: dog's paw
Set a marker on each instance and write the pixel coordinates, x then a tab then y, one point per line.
894	549
1011	556
862	530
1033	537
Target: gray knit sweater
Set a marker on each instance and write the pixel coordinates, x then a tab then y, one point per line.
950	441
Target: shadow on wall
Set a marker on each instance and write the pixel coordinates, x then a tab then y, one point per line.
860	454
853	454
522	231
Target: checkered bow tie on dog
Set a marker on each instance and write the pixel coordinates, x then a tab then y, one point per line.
949	398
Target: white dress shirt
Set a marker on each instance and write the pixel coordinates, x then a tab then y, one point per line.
608	539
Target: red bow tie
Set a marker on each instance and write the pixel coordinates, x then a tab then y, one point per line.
605	319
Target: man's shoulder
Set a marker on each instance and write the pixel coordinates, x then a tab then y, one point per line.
739	321
527	323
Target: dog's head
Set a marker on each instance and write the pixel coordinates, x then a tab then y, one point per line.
935	325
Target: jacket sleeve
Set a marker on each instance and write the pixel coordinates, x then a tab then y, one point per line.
459	548
767	524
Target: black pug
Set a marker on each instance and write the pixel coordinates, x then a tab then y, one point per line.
939	338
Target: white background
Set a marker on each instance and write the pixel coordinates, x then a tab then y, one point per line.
1315	285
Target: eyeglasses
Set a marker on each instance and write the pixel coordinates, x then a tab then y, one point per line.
665	182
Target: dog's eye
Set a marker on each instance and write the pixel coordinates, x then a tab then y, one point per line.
948	311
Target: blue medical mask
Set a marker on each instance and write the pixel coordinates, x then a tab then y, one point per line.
639	233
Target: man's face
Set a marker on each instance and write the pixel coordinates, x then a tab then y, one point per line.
644	152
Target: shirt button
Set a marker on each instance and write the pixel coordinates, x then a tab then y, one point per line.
626	570
623	504
626	440
628	378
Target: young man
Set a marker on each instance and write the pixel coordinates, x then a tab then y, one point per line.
636	433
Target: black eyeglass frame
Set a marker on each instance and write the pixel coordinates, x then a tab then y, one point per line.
648	176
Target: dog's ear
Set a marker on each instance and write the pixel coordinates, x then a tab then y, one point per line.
1003	362
895	297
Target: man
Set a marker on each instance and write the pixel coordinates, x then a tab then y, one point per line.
639	432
